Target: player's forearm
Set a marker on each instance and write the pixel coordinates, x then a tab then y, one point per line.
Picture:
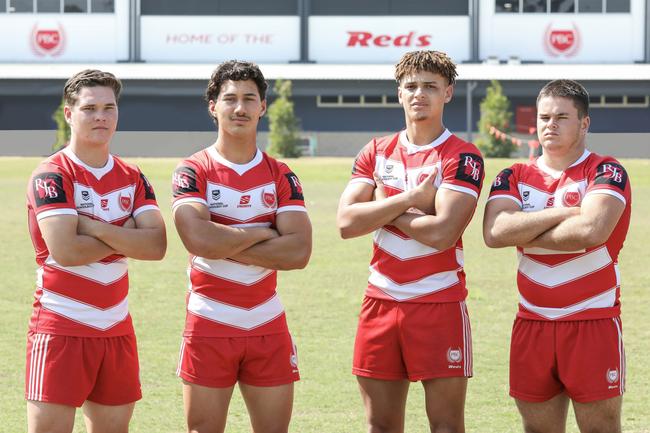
573	234
137	243
80	250
289	251
518	228
429	230
361	218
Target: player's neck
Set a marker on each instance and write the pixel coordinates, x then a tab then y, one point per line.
422	133
563	161
93	155
235	149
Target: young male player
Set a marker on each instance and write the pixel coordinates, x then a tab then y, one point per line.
417	190
88	211
241	216
567	213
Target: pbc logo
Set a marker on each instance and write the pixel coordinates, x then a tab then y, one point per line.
454	355
612	174
268	199
296	187
612	375
571	198
48	189
470	169
564	42
367	39
47	42
502	181
125	202
184	181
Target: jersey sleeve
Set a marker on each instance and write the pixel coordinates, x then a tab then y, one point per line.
505	185
145	198
290	195
364	165
188	184
51	192
464	172
610	178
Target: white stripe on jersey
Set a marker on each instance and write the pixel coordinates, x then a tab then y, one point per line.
403	249
101	273
459	188
230	270
238	317
608	192
602	300
83	313
293	208
188	200
38	359
54	212
144	208
425	286
563	273
546	252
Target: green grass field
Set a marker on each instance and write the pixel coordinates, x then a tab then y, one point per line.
322	304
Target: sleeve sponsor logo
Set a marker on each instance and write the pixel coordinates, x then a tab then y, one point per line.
502	181
612	174
184	181
470	169
48	189
148	189
296	187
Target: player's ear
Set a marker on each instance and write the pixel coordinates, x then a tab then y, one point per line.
399	94
449	93
584	124
67	114
263	112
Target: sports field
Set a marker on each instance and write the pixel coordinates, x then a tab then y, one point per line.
322	303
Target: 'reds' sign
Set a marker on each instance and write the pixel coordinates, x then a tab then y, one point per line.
369	39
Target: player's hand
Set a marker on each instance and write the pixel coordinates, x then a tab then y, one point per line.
380	190
423	196
86	225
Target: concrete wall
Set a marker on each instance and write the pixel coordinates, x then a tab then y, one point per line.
179	144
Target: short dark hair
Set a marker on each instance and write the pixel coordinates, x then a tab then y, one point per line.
569	89
90	78
425	60
235	70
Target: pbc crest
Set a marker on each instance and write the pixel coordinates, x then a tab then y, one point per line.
470	169
48	189
612	375
562	42
125	202
268	199
571	198
47	41
454	355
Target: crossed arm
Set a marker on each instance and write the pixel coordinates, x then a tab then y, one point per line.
562	229
78	240
286	247
439	226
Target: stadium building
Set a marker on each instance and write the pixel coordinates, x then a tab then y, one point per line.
339	55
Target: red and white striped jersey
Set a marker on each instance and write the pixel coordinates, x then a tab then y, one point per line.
227	298
87	300
402	268
561	285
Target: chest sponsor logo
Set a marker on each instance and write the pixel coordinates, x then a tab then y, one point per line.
86	200
125	202
244	201
571	198
550	202
470	169
48	189
103	203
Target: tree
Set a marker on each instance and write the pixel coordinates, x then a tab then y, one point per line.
283	123
495	112
62	128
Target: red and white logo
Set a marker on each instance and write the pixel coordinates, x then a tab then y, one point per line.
454	355
104	203
550	202
125	202
245	199
47	188
612	375
268	199
562	42
47	41
571	198
368	39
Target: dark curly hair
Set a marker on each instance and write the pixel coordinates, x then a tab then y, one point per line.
90	78
425	60
568	89
235	70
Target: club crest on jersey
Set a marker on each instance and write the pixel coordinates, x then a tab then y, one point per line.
103	203
612	375
470	168
268	199
423	175
571	198
454	355
125	202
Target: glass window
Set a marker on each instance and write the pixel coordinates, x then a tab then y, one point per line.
372	99
590	6
534	6
389	7
507	6
637	100
563	6
48	6
348	99
595	100
613	99
219	7
258	7
618	6
329	99
75	6
174	7
21	6
102	6
392	99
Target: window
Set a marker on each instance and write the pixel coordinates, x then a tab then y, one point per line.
590	6
619	101
562	6
21	6
57	6
390	7
535	6
102	6
75	6
219	7
507	6
618	6
369	101
48	6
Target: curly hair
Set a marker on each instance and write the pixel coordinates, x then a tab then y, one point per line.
425	60
90	78
235	70
567	89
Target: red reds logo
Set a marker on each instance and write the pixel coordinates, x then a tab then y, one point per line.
125	202
104	203
245	199
367	39
268	198
47	41
561	42
571	198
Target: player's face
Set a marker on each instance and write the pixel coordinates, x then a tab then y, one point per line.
559	129
423	95
238	107
93	118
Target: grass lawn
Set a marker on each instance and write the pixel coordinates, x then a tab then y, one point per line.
322	304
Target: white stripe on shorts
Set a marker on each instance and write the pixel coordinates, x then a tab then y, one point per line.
38	358
180	356
467	339
621	356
